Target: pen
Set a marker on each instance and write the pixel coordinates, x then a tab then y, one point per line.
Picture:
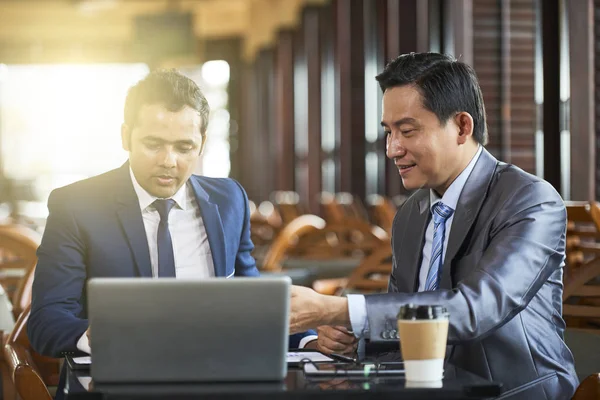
342	358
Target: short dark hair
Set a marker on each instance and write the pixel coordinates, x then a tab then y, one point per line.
447	86
169	88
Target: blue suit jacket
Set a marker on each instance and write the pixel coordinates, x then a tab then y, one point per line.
95	229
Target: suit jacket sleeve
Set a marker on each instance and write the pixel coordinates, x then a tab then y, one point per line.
54	325
526	246
245	265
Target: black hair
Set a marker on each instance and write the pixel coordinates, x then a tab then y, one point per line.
169	88
447	86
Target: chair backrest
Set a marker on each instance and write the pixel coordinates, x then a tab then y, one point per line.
581	308
288	237
30	372
370	276
331	210
22	297
352	206
583	234
351	238
18	246
373	273
288	205
589	388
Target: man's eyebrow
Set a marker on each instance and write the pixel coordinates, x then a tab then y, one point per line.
161	140
402	121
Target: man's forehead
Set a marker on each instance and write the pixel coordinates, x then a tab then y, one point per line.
157	114
406	96
401	106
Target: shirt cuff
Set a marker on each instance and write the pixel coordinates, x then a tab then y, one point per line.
306	339
357	308
83	344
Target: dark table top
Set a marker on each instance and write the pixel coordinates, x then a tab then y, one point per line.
457	384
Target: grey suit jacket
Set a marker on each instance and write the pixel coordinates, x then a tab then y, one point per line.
501	281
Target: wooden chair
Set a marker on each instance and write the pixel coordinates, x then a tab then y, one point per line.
22	297
352	205
288	238
383	211
352	238
580	297
265	224
269	213
18	245
583	234
323	251
31	372
589	388
371	276
332	211
288	205
21	301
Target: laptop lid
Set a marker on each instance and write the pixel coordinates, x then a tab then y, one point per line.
170	330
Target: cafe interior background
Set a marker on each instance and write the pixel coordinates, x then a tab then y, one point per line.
295	114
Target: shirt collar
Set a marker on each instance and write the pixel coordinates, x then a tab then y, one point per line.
452	195
146	199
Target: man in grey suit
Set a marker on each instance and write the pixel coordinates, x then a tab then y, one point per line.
478	236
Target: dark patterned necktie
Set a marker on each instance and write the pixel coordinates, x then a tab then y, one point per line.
166	258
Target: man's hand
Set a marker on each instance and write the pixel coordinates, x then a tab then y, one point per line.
336	339
310	309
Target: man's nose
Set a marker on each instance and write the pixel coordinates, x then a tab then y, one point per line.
394	146
169	158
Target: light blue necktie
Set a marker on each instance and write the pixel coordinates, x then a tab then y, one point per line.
441	213
166	258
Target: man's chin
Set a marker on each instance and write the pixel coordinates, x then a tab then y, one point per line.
412	184
163	192
408	184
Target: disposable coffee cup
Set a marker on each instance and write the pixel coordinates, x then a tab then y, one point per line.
423	332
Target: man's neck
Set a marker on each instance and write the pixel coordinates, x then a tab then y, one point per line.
466	158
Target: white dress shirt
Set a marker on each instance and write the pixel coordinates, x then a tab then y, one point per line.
191	249
357	306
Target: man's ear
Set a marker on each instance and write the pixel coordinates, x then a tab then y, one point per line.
464	122
125	137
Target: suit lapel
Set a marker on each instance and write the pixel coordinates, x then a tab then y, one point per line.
130	217
411	245
470	202
213	226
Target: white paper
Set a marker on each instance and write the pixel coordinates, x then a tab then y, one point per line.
82	360
314	356
85	381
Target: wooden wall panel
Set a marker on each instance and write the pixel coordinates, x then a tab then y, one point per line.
581	56
521	97
597	92
265	152
284	111
350	94
504	60
248	127
550	21
307	104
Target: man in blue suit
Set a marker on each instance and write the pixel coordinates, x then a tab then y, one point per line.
149	218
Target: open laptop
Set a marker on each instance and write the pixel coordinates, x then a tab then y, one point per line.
168	330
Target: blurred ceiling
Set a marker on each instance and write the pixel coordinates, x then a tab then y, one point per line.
37	23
